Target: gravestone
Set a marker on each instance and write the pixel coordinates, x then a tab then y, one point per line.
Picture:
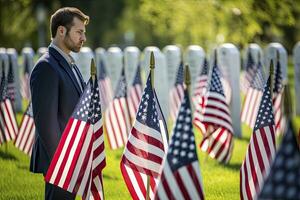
256	52
28	57
296	59
173	59
13	60
131	61
41	51
271	53
229	63
100	55
160	76
194	58
114	65
83	61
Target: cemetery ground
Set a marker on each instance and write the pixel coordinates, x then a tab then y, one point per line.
219	181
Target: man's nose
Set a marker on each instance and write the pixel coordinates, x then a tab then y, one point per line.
83	38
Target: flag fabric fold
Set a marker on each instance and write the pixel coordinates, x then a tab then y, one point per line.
181	177
80	158
261	149
283	179
25	137
117	117
247	76
145	150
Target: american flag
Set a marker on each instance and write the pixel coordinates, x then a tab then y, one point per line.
25	89
215	117
201	84
176	93
283	180
261	149
181	177
106	93
25	137
135	93
80	158
253	97
280	119
145	150
11	89
117	118
8	123
248	75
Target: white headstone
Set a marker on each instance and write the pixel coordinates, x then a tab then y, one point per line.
173	59
271	53
114	65
13	59
256	52
131	61
28	56
229	63
100	55
194	58
83	61
296	59
41	51
160	76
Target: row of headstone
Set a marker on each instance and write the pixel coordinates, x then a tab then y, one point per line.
167	62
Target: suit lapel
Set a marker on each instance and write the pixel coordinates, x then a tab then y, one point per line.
64	64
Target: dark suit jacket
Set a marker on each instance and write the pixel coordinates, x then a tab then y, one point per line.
55	93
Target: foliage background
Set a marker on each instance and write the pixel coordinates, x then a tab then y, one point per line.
159	22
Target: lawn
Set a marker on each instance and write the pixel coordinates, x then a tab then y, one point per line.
220	181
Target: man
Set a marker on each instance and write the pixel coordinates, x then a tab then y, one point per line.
56	85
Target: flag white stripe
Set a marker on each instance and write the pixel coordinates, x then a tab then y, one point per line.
81	158
146	130
21	131
170	179
29	142
110	133
139	144
142	162
188	183
62	154
134	182
71	155
26	134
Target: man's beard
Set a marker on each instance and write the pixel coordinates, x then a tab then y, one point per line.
70	44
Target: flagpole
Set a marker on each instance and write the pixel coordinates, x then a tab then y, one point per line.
152	66
93	70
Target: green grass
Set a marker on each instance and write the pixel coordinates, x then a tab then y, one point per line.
220	181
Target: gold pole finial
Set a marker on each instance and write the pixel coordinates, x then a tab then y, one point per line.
93	69
271	77
152	66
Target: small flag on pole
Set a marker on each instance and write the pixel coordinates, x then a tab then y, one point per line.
8	123
253	97
11	87
201	84
176	93
261	149
25	137
117	118
145	150
283	180
249	73
25	90
80	158
181	177
106	93
215	117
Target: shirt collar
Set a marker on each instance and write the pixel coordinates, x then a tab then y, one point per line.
67	57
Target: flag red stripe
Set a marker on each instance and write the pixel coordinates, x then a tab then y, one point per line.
195	179
129	184
139	168
148	139
76	154
166	186
181	185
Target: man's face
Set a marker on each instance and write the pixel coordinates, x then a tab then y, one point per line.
75	38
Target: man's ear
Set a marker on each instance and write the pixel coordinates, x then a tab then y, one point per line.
61	30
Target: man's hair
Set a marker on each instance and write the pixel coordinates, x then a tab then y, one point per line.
64	17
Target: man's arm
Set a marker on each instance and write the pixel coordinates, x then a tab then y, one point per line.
44	89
